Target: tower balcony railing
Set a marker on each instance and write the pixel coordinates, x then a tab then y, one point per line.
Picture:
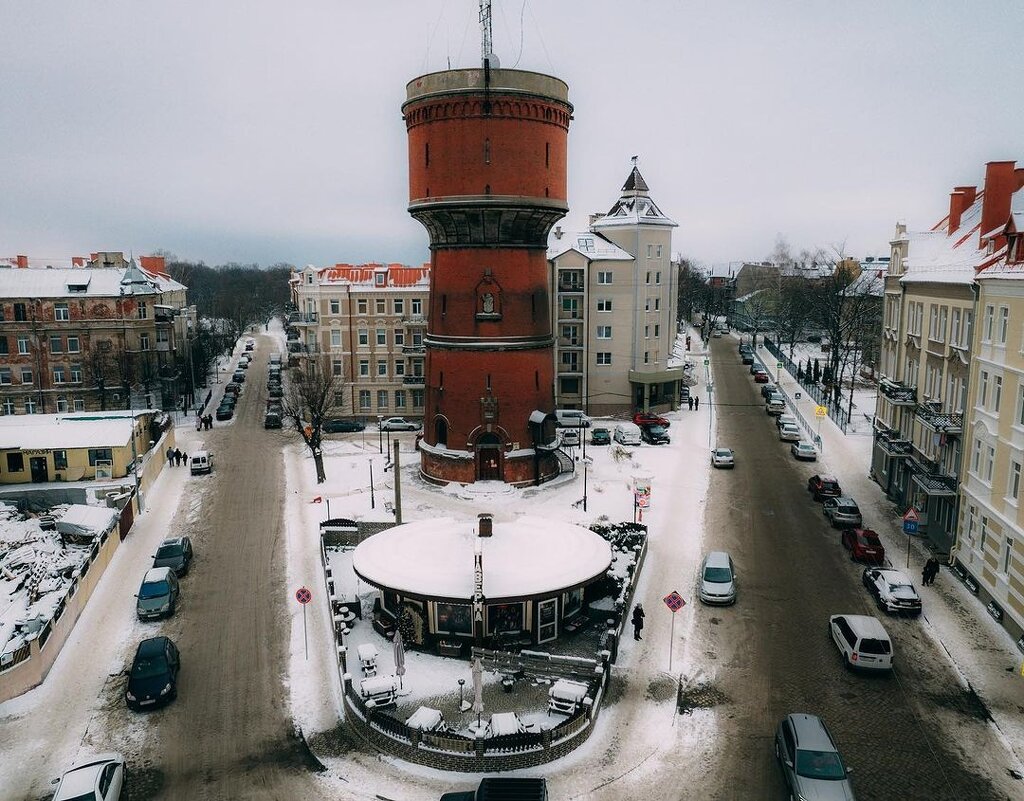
571	286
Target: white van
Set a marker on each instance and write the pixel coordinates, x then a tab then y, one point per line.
202	462
571	418
627	434
862	640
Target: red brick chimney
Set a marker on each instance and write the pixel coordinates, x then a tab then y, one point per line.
22	262
1001	181
960	199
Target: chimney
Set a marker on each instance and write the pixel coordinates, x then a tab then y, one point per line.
960	199
1000	184
486	521
22	262
78	261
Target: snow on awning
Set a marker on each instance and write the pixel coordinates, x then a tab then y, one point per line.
80	520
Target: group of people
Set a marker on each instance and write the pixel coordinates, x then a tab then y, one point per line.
931	570
175	457
204	422
693	402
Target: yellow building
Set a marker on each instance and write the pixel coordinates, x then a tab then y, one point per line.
72	447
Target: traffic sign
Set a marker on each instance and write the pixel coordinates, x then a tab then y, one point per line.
820	411
909	526
707	362
303	596
911	516
674	601
778	365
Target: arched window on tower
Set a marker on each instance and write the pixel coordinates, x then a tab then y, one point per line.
440	431
487	151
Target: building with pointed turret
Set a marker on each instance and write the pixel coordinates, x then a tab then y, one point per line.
614	308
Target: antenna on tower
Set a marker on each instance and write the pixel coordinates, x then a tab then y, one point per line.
486	43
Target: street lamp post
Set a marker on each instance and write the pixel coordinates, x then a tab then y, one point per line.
373	504
586	463
380	433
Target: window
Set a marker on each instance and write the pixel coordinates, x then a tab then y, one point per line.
604	358
604	277
382	367
163	337
23	346
60	311
983	390
647	357
399	306
76	374
1013	485
26	375
59	375
657	252
604	304
416	305
986	331
984	533
15	462
954	333
417	399
7	406
604	332
647	332
337	368
1004	324
361	306
364	367
78	404
990	458
1020	404
56	345
399	398
381	306
648	279
30	405
382	336
100	455
933	320
60	460
1007	552
20	314
335	337
5	375
657	329
364	337
335	305
144	341
399	368
417	338
143	312
379	279
647	304
62	404
399	336
940	335
364	399
997	392
74	346
657	275
650	254
3	346
968	331
382	399
657	304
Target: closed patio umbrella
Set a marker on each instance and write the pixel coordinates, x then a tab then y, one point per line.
399	645
478	688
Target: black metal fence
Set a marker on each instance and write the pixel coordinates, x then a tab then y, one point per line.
821	396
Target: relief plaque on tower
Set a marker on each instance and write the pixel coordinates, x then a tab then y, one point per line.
489	409
488	298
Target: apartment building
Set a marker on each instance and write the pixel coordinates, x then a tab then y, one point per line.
368	321
94	333
614	292
990	542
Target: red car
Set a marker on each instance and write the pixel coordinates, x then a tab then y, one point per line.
760	377
824	487
864	545
648	419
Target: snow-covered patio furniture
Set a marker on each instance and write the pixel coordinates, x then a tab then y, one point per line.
426	719
381	690
505	723
565	696
368	658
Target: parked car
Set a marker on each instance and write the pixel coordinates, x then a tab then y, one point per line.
649	418
823	487
769	389
398	424
754	367
175	553
655	435
571	418
790	432
627	434
862	641
96	778
747	357
224	413
570	437
782	419
810	760
723	457
238	377
863	545
271	420
804	451
842	511
893	591
600	436
250	344
153	677
503	788
233	389
158	594
275	358
201	462
775	405
717	583
243	363
342	426
275	391
760	377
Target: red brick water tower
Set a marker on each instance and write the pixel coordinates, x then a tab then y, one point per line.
487	157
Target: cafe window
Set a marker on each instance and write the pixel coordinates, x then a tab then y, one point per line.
453	618
504	619
60	460
572	602
15	462
100	455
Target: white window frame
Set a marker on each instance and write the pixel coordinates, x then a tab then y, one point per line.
997	392
335	337
1013	482
364	368
604	332
604	304
604	277
603	358
61	312
382	368
986	331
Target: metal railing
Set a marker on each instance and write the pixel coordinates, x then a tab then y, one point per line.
821	396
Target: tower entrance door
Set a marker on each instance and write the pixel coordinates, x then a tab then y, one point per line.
488	458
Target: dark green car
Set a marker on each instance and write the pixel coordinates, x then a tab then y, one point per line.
600	436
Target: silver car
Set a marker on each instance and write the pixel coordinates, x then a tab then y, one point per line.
717	583
790	432
723	457
810	760
842	512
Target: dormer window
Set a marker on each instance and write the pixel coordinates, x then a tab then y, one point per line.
379	279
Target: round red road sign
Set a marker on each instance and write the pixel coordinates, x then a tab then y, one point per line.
303	595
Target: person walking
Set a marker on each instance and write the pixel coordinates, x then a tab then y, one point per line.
199	423
170	456
177	458
931	570
184	458
696	402
689	402
638	621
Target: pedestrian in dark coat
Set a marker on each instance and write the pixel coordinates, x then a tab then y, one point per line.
184	458
209	422
931	570
199	424
177	458
638	621
170	456
696	402
689	402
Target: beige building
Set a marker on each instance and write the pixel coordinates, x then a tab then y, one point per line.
92	334
368	321
614	295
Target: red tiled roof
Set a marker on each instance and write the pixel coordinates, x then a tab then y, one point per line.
398	275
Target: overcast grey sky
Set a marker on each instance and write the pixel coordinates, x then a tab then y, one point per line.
271	131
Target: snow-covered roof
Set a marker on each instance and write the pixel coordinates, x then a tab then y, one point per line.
749	295
587	243
937	256
634	207
524	557
82	519
871	280
67	282
397	275
65	431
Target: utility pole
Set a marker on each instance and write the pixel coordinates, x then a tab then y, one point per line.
396	466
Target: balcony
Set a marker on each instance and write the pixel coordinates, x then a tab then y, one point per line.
571	286
413	319
163	314
890	442
931	478
414	380
304	318
570	342
421	348
898	393
570	314
569	369
931	416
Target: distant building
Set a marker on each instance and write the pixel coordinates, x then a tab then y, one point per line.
92	334
614	307
368	322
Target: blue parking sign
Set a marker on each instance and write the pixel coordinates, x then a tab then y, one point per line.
909	526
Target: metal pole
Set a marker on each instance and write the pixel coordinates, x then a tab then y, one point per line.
305	639
380	435
373	504
671	641
398	483
908	551
584	483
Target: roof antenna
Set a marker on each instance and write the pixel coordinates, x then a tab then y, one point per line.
486	45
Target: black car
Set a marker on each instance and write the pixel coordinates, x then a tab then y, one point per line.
342	426
600	436
655	434
232	389
272	420
175	553
767	390
238	377
153	678
275	391
225	413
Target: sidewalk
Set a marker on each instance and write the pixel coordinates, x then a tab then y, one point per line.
981	650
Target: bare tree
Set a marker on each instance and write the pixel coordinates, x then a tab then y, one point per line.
308	403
